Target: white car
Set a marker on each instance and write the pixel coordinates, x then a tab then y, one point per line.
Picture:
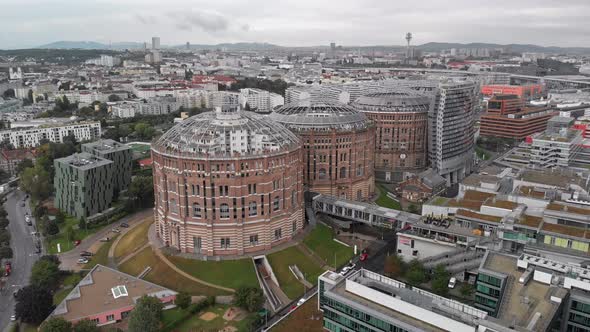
346	269
83	260
452	282
301	301
13	318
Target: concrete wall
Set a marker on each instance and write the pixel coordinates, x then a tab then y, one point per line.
425	247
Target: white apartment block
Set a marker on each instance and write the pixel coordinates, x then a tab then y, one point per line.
259	100
327	93
159	106
125	110
104	61
32	137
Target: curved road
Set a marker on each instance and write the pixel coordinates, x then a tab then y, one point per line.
23	246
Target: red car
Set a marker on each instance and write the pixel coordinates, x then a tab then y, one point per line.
7	269
364	255
77	242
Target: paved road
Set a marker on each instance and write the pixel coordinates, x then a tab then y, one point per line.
69	260
23	247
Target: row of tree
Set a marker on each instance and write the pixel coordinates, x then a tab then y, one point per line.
5	250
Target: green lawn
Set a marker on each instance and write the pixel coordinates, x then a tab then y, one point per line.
61	237
226	273
320	240
195	323
132	240
280	262
67	284
102	254
163	275
385	201
440	201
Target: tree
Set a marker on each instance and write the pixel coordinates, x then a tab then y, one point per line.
183	300
146	315
393	266
33	304
70	233
86	325
51	228
413	208
60	217
56	324
144	131
4	237
114	97
249	298
82	223
141	191
466	290
51	258
10	93
36	182
5	253
415	273
440	280
25	163
45	273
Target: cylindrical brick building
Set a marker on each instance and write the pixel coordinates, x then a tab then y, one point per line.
401	135
338	147
227	183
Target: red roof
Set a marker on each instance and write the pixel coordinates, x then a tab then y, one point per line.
147	162
18	154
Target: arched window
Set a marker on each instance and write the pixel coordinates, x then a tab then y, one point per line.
322	173
224	211
252	209
343	173
275	203
196	210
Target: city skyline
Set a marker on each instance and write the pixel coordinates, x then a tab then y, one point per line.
294	23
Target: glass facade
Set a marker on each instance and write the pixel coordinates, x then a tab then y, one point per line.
339	317
488	293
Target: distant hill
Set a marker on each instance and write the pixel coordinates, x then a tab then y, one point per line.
90	45
518	48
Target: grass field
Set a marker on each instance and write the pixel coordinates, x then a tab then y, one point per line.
385	201
133	240
102	254
320	240
195	323
163	275
61	237
306	318
280	262
227	273
68	283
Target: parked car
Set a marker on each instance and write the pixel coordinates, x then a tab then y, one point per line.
452	282
86	254
364	255
124	225
301	301
13	318
347	268
83	260
105	239
77	242
116	230
22	204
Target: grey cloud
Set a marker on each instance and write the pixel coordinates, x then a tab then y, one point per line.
207	21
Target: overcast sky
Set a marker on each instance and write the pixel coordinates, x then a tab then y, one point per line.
30	23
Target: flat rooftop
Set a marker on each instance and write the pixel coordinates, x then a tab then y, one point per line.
84	161
555	178
107	145
377	286
522	301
